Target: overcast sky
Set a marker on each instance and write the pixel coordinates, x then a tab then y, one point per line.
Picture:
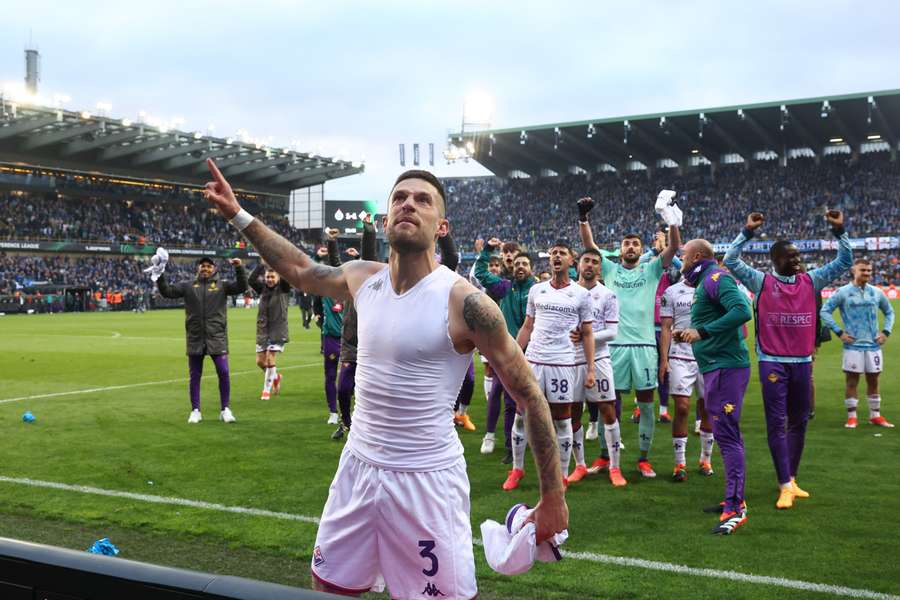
358	78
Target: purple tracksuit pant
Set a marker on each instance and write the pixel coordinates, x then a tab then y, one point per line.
331	351
786	392
724	389
195	369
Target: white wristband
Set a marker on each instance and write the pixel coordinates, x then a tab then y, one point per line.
241	220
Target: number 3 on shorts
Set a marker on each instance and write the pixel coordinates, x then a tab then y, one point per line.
427	546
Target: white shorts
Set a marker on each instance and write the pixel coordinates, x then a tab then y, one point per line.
270	348
408	530
683	376
557	383
604	390
863	361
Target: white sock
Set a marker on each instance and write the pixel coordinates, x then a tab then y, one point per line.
463	409
270	379
874	406
663	410
706	445
613	438
851	404
488	436
564	439
519	442
488	384
679	444
578	446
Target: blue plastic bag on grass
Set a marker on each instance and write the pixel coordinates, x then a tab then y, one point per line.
103	546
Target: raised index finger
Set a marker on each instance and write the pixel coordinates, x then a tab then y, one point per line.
216	173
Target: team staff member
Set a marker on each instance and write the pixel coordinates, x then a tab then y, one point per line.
718	314
206	327
271	323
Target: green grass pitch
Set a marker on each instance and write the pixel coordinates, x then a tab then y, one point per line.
279	457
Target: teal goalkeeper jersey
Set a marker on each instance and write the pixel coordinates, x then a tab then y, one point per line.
635	290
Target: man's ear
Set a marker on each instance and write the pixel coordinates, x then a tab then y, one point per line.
443	228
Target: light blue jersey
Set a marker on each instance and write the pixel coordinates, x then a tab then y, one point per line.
753	279
859	308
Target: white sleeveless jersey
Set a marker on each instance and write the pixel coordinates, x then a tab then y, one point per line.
605	311
407	376
676	303
556	313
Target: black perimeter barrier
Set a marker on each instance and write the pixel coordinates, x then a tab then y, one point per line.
38	572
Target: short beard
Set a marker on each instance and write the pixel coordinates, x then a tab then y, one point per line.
406	246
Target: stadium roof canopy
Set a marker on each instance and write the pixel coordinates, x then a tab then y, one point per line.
32	135
807	127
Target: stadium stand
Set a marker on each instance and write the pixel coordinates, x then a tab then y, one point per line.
535	211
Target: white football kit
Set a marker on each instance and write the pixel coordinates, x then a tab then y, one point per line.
605	309
551	352
398	508
684	374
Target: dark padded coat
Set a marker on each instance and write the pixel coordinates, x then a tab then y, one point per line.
205	309
272	317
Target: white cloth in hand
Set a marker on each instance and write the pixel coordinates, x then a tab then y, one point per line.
158	263
511	549
668	209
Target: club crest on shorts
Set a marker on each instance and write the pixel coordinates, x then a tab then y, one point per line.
318	557
772	377
729	408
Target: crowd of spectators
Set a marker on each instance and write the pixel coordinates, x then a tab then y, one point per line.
43	276
98	210
536	211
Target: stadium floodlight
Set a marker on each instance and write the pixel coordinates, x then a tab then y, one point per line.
662	122
229	141
874	136
523	137
197	135
478	111
126	122
695	151
85	114
836	140
826	109
591	130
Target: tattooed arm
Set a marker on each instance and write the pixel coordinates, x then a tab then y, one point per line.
476	321
287	259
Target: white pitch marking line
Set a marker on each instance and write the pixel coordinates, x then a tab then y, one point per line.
86	489
622	561
134	385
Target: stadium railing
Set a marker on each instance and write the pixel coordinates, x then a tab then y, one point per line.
38	572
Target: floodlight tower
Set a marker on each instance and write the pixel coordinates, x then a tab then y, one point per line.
32	70
478	111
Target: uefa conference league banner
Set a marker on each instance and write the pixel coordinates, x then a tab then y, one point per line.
116	248
348	219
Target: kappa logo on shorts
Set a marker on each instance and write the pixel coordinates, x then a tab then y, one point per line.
432	590
772	377
318	557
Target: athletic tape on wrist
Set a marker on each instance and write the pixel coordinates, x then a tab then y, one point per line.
241	220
